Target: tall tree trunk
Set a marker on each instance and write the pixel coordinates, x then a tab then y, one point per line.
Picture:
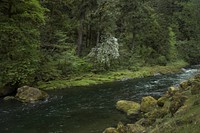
10	9
87	36
80	36
98	30
98	38
133	41
90	36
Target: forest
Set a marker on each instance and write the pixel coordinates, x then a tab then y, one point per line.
54	39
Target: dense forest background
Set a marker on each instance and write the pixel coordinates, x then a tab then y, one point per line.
52	39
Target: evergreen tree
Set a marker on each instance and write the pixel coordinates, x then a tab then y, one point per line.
143	33
19	44
189	31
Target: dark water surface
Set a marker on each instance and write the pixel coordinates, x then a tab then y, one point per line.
82	109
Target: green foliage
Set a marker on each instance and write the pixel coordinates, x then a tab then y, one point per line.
144	34
108	13
162	60
69	63
19	54
173	53
190	51
47	70
189	33
59	27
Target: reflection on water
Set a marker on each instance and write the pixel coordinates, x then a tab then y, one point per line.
82	109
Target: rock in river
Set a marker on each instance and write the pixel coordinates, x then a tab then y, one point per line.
7	98
110	130
135	128
128	107
30	94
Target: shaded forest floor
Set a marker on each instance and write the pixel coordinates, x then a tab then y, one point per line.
92	78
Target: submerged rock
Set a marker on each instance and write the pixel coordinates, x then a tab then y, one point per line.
7	98
30	94
110	130
148	104
129	107
157	74
125	79
135	128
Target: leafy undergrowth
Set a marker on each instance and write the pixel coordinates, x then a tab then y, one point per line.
92	79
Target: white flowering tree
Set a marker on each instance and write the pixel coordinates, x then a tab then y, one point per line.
106	51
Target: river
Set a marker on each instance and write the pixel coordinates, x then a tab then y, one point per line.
83	109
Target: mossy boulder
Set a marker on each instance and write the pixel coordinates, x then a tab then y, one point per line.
167	105
135	128
185	84
161	101
182	110
110	130
186	93
129	107
148	104
30	94
172	90
178	100
151	117
195	88
121	128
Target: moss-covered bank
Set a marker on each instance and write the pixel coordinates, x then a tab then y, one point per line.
178	111
92	78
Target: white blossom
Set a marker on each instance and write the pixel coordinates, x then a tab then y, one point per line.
106	51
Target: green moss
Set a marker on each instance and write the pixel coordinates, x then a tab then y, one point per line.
92	79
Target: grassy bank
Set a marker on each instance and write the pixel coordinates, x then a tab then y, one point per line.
92	79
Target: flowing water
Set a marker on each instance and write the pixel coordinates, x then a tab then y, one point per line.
82	109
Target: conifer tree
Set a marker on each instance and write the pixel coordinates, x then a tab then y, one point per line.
20	21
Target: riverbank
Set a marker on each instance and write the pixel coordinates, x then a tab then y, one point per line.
175	112
93	79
